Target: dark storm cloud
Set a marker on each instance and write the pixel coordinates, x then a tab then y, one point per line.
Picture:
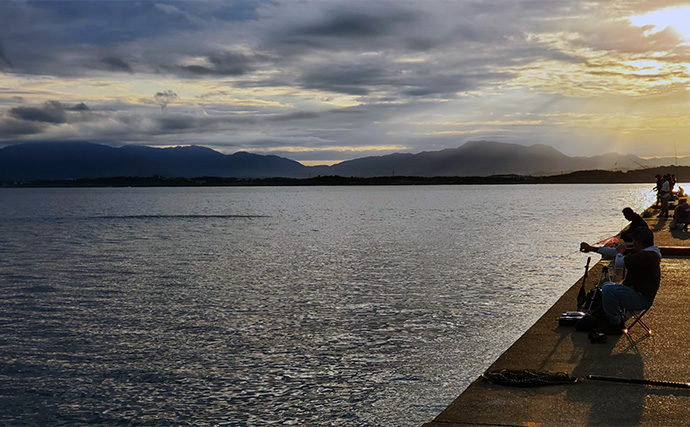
66	38
402	81
462	43
450	85
300	115
32	119
51	112
116	64
79	107
400	26
222	64
164	98
349	79
350	110
349	26
104	22
188	123
12	128
3	57
183	122
353	24
177	123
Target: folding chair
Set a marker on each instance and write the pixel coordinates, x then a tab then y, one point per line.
638	320
635	315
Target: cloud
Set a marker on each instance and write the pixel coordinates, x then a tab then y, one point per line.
52	112
257	74
350	79
116	64
79	107
26	121
291	29
165	98
220	64
176	12
71	39
300	115
3	56
11	128
199	124
357	24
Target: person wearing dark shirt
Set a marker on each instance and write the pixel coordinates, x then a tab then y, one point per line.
681	216
665	196
641	283
636	221
657	188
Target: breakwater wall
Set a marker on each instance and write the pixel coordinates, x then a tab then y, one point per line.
546	346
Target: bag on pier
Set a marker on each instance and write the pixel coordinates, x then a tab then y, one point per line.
588	319
570	318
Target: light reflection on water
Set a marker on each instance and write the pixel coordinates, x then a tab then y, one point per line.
252	306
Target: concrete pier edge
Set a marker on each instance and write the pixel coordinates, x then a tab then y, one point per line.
546	346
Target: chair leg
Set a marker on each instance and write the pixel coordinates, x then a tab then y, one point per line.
638	319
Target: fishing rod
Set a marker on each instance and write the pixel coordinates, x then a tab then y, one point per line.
675	148
534	378
639	381
639	164
582	295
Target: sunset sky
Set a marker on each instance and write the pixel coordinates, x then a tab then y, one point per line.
324	81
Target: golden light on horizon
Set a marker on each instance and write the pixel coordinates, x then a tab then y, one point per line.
319	162
348	148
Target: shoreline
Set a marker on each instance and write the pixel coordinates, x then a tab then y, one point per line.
581	177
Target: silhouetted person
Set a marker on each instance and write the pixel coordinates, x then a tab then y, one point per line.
636	221
681	216
672	183
665	195
641	281
657	188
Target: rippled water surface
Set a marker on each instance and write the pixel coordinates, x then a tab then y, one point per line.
252	306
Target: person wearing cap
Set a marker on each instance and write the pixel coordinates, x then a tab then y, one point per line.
636	221
641	283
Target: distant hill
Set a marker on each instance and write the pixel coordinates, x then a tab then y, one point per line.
78	160
485	158
74	160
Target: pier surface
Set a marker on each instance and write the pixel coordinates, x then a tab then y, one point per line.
546	346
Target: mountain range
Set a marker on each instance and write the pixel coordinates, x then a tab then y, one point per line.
75	160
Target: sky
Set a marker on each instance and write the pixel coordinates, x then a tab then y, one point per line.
322	81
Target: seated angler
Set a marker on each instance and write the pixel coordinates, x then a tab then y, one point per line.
641	281
681	216
636	221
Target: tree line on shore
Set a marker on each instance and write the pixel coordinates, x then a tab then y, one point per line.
580	177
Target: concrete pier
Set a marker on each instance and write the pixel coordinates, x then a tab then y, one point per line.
546	346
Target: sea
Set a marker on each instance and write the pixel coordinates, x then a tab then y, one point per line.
256	306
